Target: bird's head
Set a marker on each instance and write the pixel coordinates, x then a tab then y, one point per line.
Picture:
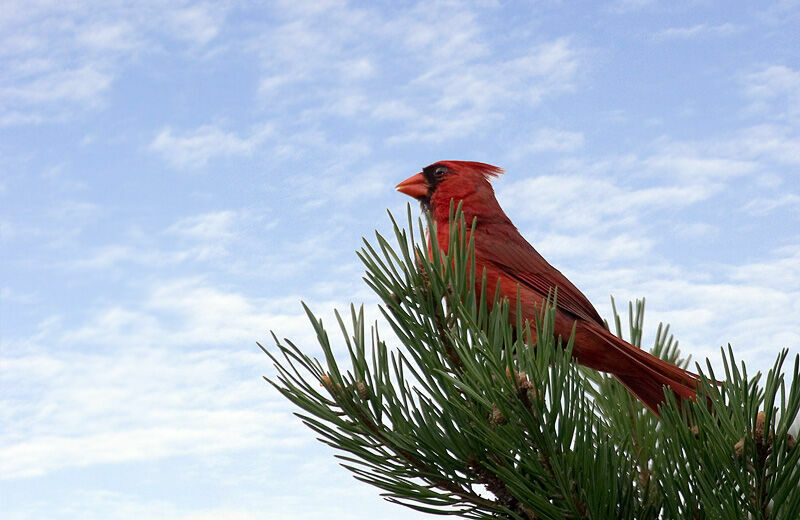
461	181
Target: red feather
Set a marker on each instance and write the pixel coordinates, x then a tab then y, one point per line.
510	261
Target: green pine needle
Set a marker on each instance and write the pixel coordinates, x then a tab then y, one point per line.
466	416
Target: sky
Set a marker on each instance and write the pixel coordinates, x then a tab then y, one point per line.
175	177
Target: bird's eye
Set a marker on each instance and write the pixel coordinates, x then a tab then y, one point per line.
439	172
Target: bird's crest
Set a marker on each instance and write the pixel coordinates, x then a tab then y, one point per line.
488	171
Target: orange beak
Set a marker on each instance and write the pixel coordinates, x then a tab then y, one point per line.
415	186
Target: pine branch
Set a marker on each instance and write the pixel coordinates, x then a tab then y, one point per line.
476	417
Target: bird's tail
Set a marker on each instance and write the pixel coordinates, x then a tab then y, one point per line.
642	373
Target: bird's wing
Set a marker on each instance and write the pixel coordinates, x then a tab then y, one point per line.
516	259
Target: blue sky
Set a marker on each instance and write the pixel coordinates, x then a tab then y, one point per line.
176	176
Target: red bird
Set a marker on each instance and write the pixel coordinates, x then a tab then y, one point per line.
508	259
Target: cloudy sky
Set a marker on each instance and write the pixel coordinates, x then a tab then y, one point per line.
175	177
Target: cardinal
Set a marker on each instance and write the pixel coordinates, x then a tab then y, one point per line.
511	263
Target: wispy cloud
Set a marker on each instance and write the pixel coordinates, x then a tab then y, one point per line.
342	185
775	91
60	86
202	238
549	140
697	31
625	6
466	97
110	256
47	90
441	84
750	305
577	201
62	59
767	143
209	226
763	205
711	314
780	270
678	160
115	389
12	296
198	24
195	148
104	504
112	36
599	190
593	217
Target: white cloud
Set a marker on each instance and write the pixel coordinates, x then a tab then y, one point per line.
770	143
61	86
10	295
697	161
782	271
621	247
695	31
109	505
775	91
752	306
575	202
246	242
197	147
7	231
116	255
549	140
199	432
203	237
318	476
695	230
198	24
328	57
321	48
594	219
111	36
465	96
106	256
593	224
60	59
208	226
744	152
625	6
764	205
756	319
343	184
174	374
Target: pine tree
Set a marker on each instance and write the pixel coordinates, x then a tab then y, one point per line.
469	417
